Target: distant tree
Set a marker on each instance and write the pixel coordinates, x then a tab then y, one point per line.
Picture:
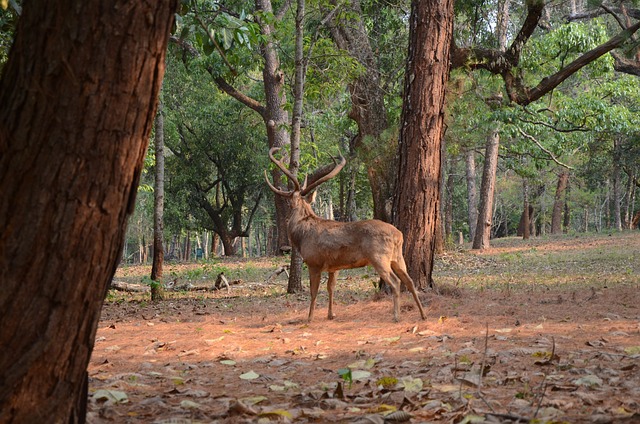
75	120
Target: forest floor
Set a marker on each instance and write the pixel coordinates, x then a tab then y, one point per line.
543	330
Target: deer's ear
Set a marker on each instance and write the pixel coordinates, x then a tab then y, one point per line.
311	197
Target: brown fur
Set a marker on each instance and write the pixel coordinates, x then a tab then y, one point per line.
329	246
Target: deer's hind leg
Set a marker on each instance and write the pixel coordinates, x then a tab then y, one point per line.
331	284
314	285
401	271
385	272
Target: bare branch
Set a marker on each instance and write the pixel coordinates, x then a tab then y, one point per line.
541	147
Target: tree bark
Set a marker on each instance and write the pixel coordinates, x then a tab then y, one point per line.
418	185
77	102
558	203
472	202
487	190
158	209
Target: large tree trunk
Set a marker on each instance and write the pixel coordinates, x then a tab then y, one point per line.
276	118
558	203
158	209
418	192
77	102
472	201
487	190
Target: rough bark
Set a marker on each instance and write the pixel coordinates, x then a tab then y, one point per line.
158	208
558	203
77	102
418	193
487	190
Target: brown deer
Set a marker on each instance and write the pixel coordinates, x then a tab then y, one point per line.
329	246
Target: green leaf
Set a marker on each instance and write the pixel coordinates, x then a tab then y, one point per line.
632	350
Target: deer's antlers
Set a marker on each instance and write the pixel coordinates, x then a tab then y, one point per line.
304	190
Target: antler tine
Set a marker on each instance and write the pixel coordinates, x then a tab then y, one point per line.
283	168
336	169
274	189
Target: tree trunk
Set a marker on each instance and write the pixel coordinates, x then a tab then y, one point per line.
158	209
418	193
558	203
77	101
294	284
448	209
227	245
368	110
617	184
526	215
566	224
472	202
487	190
276	118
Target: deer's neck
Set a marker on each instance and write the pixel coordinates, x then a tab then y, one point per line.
302	223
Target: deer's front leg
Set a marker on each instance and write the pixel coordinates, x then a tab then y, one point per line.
331	284
314	283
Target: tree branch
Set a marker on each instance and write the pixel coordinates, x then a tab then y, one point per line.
548	152
222	84
549	83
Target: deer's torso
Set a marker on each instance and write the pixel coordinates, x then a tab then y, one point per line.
331	246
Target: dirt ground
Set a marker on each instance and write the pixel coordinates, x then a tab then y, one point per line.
546	330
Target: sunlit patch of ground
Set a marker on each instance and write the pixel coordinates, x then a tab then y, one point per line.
248	355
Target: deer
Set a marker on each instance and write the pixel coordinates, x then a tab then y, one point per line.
330	246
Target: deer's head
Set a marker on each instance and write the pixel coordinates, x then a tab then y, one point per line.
300	194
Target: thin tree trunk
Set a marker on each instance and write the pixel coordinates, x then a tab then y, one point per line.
487	191
472	202
558	202
448	209
617	184
525	211
566	223
295	271
417	195
158	209
187	247
81	121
